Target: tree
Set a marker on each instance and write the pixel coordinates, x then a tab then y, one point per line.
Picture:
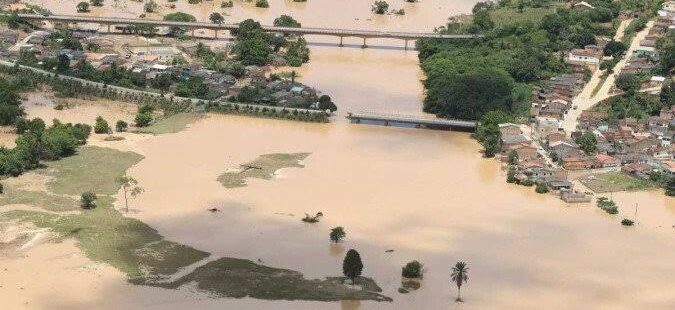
10	104
63	64
326	103
541	188
143	119
179	17
216	18
253	51
129	188
337	234
352	265
96	2
88	200
412	269
587	143
614	48
163	82
82	7
262	4
483	21
121	126
513	158
101	126
511	175
380	7
150	6
459	275
629	83
286	21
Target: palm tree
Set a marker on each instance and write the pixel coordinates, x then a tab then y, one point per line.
460	274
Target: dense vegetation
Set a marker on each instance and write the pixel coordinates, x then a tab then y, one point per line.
466	79
255	46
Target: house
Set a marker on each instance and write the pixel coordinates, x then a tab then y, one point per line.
563	148
640	170
509	141
607	161
586	57
524	150
509	129
570	196
559	185
579	163
641	145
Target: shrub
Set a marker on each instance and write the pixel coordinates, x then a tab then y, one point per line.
607	205
262	4
380	7
226	4
88	200
121	126
2	189
82	7
541	188
627	222
412	269
143	119
527	182
101	126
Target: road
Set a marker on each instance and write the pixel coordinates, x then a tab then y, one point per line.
585	99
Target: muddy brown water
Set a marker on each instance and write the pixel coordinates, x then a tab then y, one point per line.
428	195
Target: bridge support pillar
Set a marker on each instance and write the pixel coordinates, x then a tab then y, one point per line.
340	45
386	123
109	28
215	33
364	43
406	45
192	31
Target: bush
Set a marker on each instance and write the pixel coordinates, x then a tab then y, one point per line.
412	269
607	205
527	182
101	126
121	126
380	7
143	119
627	222
2	189
541	188
337	234
88	200
262	4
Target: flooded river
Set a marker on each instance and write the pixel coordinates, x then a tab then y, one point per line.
427	195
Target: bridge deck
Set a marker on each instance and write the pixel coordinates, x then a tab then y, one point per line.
288	30
409	119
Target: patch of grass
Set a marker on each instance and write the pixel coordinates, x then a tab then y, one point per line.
138	250
92	169
597	88
239	278
171	124
263	167
507	16
614	182
47	201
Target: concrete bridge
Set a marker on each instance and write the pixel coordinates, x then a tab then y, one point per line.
417	122
192	26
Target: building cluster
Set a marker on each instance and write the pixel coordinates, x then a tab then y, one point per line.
149	58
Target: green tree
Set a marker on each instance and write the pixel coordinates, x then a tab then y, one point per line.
129	188
326	103
82	7
337	234
193	87
541	188
163	82
483	21
216	18
63	64
101	126
286	21
513	158
96	2
143	119
614	48
179	17
412	269
352	266
629	83
262	4
121	126
253	51
380	7
587	142
459	275
88	200
10	104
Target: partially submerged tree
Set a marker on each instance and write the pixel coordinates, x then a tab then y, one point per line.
337	234
352	266
412	269
216	18
82	7
380	7
459	275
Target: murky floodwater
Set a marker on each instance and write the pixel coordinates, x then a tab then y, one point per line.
384	77
427	195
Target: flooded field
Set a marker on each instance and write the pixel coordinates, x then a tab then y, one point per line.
426	195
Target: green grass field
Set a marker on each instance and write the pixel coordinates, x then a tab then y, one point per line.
106	235
171	124
615	182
